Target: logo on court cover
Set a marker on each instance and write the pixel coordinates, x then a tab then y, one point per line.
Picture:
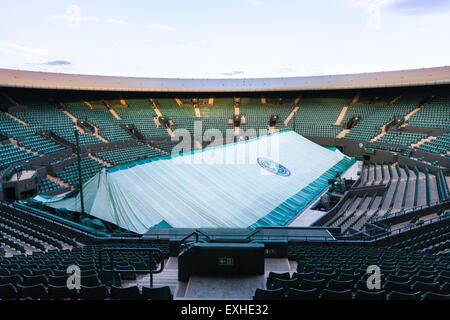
273	167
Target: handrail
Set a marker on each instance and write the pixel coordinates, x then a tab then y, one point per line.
35	212
204	234
411	227
403	229
252	234
111	257
48	217
195	233
413	209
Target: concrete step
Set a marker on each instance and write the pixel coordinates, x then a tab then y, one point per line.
58	181
75	119
15	118
291	115
422	141
106	163
15	143
342	133
341	115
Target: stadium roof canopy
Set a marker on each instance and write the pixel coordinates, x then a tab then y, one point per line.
402	78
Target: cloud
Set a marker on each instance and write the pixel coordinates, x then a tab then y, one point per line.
73	19
159	26
286	70
58	63
121	22
31	56
416	7
70	18
303	71
15	49
28	50
232	73
255	2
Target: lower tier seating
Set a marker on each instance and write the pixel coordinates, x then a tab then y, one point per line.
341	273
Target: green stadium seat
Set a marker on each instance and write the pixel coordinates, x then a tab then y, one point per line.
276	294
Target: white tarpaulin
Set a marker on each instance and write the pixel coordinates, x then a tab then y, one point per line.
261	181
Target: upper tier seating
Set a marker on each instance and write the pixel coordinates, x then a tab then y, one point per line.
89	168
26	136
316	116
182	117
258	114
140	113
373	117
434	114
125	155
108	126
10	154
216	116
42	116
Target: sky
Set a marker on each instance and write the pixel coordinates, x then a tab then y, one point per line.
223	39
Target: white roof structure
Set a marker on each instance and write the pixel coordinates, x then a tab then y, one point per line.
44	80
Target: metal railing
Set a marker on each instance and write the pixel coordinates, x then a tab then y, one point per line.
416	208
412	227
255	235
152	251
195	233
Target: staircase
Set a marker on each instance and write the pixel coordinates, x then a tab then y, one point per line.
88	104
114	113
75	120
409	115
421	104
342	133
159	114
383	132
341	116
197	112
236	106
105	163
155	107
289	117
396	99
422	141
10	99
15	143
59	182
236	102
15	118
356	98
160	150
